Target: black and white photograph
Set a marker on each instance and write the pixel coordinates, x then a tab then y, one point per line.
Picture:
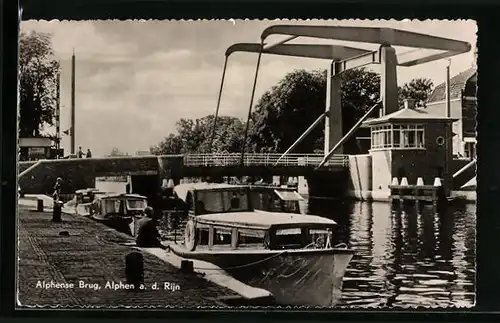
247	163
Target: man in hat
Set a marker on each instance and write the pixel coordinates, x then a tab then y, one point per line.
147	234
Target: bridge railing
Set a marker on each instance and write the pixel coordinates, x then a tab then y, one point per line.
224	160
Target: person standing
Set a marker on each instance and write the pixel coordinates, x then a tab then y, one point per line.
89	153
80	152
57	190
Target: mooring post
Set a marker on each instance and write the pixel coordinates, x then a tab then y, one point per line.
39	205
134	269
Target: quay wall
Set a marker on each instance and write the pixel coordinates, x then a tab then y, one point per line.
360	177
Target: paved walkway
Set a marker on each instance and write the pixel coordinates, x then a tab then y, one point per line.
92	253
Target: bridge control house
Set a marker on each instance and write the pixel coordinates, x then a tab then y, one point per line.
410	143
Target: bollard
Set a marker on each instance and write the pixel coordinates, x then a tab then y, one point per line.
420	181
404	181
395	181
437	182
187	266
134	269
39	205
56	212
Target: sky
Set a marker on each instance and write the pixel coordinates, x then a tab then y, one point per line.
135	79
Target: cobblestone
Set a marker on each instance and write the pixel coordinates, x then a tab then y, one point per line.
93	254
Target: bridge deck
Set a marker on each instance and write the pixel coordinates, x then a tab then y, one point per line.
262	159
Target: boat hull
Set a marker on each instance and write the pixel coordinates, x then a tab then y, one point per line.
294	277
125	225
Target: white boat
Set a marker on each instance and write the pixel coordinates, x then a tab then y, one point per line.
84	198
119	211
289	254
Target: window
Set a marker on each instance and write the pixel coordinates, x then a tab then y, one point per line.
470	150
398	136
222	201
249	238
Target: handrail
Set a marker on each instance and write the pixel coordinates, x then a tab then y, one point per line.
463	169
272	159
27	170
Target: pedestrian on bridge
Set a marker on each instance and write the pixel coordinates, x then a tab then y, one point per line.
80	152
89	153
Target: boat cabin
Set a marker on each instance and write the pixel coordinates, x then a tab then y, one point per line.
208	198
276	199
260	231
121	204
87	195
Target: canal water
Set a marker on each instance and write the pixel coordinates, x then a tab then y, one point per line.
405	257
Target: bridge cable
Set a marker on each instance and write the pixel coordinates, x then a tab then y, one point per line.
218	106
251	104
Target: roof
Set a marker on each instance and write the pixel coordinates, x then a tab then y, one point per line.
123	195
263	220
409	115
457	85
182	189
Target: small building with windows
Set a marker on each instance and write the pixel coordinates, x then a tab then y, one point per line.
409	143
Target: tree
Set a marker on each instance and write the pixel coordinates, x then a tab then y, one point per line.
418	89
289	108
37	83
194	136
115	152
172	144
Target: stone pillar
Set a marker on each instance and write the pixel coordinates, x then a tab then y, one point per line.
388	80
333	122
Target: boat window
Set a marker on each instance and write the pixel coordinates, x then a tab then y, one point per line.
222	201
190	202
222	236
247	238
203	236
291	206
110	206
136	204
292	238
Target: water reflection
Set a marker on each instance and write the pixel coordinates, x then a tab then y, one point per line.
405	256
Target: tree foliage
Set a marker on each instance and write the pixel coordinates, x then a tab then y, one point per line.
418	89
115	152
290	107
37	83
194	136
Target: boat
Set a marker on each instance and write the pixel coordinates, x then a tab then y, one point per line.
84	199
288	254
119	211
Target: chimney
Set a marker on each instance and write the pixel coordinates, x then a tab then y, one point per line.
409	104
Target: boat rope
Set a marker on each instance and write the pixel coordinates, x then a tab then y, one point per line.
340	245
246	265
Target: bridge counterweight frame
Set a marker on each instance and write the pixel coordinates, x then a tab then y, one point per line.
343	56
